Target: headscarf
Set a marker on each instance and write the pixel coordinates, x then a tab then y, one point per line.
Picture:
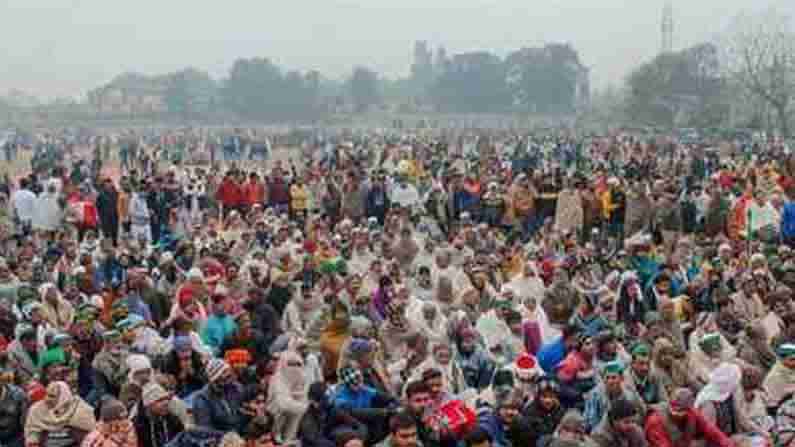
435	330
60	314
701	364
69	411
136	363
291	378
723	382
677	371
453	376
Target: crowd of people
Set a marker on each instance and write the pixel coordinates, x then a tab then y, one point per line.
429	289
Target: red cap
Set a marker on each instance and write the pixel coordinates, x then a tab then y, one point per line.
526	361
36	391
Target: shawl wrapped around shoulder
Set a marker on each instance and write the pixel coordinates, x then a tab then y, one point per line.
71	411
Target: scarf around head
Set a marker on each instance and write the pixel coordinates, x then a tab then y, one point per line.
69	411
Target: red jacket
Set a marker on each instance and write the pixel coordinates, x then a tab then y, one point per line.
254	193
230	193
658	436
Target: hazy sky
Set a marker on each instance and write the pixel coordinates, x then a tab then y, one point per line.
65	47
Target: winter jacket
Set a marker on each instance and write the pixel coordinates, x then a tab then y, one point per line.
299	197
364	398
377	201
319	425
230	194
265	319
155	431
542	422
660	430
551	354
598	404
13	410
491	424
788	221
477	368
254	193
279	192
217	411
108	207
197	438
216	330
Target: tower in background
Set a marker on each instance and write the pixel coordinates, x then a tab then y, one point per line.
668	27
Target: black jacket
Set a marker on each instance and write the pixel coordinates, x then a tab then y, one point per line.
108	206
264	319
156	431
169	364
320	423
13	410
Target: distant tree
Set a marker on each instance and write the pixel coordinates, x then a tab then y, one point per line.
472	83
257	89
364	89
189	92
759	55
251	85
685	85
545	79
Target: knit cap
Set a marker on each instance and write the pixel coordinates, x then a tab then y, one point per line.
216	368
153	392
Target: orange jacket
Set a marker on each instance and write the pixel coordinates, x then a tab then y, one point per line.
254	192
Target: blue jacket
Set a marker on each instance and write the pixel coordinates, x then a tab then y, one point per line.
592	325
364	398
348	399
377	201
788	221
216	412
550	355
477	368
110	273
491	424
465	201
217	329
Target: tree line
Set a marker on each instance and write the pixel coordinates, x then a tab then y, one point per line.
543	80
744	78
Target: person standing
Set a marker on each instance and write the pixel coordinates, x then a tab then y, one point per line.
108	210
24	203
